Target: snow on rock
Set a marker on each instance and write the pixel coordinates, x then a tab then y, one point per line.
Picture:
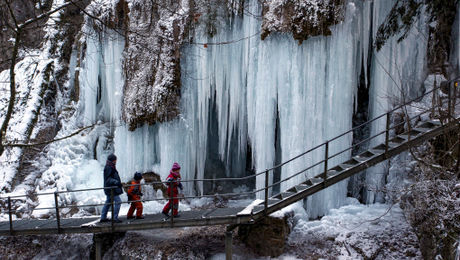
152	57
32	80
304	19
356	231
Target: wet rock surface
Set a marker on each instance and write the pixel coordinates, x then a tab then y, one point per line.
266	238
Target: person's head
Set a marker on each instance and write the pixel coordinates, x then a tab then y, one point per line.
137	176
112	158
175	167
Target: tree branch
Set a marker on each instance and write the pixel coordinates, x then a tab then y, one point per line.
50	141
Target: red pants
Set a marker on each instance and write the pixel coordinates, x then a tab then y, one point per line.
135	205
175	203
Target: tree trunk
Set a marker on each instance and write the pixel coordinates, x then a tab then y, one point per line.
12	91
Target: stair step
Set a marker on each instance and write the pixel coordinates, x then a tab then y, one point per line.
377	151
433	122
313	181
277	196
346	166
301	187
298	188
331	173
379	147
287	194
422	130
397	140
272	201
393	144
366	154
414	131
411	133
351	162
362	158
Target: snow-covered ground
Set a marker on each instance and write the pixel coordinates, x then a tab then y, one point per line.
356	231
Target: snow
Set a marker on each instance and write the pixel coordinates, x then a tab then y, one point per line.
348	225
30	74
249	208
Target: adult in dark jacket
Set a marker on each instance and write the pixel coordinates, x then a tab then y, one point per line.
111	179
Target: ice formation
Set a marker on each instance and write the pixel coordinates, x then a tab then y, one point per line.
397	73
246	105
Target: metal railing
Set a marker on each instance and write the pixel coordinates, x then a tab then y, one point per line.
325	145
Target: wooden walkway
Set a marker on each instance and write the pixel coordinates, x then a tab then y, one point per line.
218	216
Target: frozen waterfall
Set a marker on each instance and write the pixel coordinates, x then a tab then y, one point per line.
251	104
238	95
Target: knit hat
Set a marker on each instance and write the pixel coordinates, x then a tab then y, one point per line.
111	157
138	176
175	167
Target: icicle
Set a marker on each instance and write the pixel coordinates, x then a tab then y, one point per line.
398	70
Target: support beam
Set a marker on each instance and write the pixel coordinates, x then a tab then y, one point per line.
98	251
228	244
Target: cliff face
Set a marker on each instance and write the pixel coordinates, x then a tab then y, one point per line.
441	16
303	19
155	32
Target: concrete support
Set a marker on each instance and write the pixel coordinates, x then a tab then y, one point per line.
228	245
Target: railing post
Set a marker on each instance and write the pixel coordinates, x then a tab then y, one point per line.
326	158
433	99
266	192
387	132
228	245
10	215
455	85
449	102
171	202
112	206
58	219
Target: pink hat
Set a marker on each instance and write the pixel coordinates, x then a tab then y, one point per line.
175	167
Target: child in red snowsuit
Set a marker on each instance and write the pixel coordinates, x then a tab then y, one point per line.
173	180
134	195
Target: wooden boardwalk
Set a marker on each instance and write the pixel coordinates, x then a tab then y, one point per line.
217	216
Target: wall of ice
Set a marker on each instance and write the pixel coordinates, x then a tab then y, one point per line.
239	95
397	74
